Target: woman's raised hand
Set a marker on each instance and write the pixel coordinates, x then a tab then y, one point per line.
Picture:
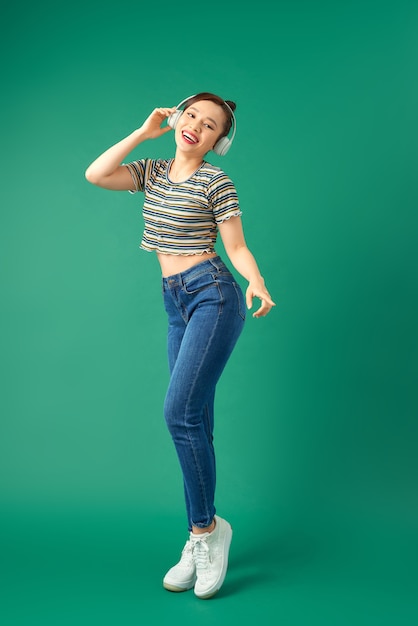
152	125
108	171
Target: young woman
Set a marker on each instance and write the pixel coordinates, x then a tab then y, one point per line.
187	202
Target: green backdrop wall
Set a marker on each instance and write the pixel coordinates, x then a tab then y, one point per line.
316	426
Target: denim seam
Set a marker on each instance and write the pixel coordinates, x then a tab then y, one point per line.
241	312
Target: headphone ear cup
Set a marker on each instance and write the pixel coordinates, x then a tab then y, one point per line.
222	146
173	119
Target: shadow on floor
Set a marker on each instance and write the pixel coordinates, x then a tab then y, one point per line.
267	558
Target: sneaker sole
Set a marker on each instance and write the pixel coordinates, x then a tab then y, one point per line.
176	588
209	594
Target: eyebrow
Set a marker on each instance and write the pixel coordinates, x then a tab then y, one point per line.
208	118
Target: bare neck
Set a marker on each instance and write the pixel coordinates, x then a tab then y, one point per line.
182	168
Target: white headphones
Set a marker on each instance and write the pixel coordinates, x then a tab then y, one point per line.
223	144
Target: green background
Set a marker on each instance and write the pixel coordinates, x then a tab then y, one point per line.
316	429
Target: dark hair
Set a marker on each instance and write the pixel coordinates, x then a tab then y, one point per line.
226	105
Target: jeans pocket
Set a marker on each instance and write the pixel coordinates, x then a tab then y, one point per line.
233	292
198	283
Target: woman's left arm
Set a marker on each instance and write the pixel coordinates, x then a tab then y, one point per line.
244	262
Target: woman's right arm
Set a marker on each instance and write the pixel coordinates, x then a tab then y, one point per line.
106	171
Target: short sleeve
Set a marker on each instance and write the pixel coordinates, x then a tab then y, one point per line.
137	170
223	198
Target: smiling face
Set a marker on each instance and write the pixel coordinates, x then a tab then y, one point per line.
200	127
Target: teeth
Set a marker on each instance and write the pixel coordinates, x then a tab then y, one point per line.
189	137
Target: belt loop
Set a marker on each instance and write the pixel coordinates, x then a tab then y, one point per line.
215	262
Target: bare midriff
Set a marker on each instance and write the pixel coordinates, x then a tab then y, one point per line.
175	264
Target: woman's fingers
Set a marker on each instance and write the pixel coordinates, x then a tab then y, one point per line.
152	124
165	111
266	301
266	306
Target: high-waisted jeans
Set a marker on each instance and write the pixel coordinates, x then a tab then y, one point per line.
206	313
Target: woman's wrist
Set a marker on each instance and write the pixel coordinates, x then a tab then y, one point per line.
256	280
138	135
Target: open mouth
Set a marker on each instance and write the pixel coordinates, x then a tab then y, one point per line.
189	138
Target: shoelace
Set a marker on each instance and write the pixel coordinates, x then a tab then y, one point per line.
187	557
201	553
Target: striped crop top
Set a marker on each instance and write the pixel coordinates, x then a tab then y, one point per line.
182	218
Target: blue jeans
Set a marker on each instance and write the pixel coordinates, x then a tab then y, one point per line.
206	313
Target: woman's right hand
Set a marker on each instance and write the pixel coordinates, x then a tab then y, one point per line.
106	171
152	125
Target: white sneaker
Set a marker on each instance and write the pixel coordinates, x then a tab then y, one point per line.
182	576
210	552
